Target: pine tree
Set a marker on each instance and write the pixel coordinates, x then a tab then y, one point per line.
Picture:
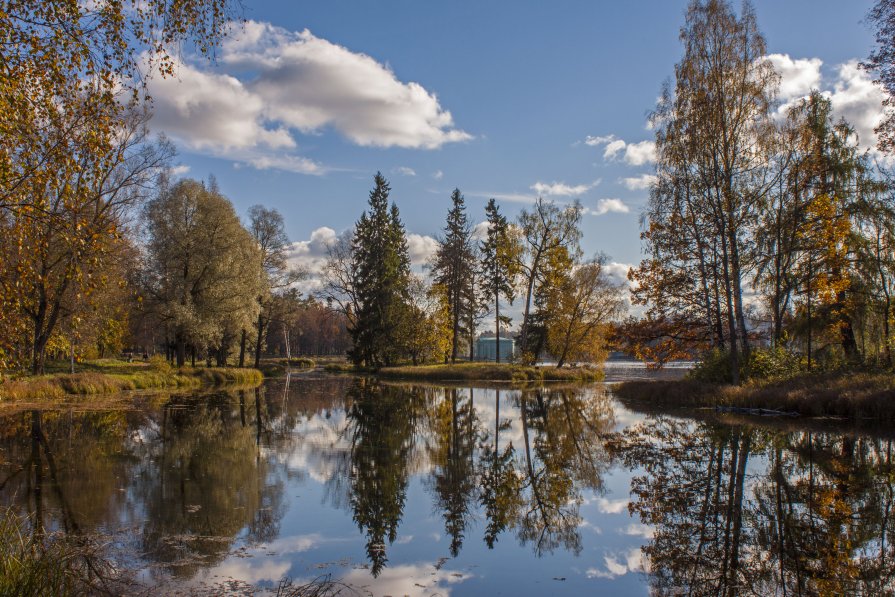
500	255
454	268
380	271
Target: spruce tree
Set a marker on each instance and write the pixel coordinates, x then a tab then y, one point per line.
380	271
500	253
454	268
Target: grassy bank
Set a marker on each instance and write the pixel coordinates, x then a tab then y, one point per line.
852	395
116	376
477	372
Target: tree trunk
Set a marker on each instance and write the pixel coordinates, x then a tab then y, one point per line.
180	349
496	325
242	350
258	341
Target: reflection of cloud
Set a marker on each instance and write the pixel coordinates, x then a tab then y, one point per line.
411	580
612	506
638	530
620	564
250	570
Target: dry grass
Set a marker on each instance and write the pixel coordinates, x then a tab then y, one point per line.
489	372
853	395
121	379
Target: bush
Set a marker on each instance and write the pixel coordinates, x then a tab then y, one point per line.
160	364
762	364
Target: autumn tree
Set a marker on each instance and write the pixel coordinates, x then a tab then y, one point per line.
501	253
268	229
583	305
881	62
204	270
710	132
550	237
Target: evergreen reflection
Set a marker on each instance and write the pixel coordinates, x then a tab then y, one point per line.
813	514
381	424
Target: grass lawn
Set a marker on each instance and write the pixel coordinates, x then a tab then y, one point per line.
109	376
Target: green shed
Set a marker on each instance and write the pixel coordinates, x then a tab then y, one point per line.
486	349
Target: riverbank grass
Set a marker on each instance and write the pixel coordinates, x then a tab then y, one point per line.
111	377
481	371
847	395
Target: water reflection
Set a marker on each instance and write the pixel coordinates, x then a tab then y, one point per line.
372	481
745	510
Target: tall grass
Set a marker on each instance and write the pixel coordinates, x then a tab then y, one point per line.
849	395
33	564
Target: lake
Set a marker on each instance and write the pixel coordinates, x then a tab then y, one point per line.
411	489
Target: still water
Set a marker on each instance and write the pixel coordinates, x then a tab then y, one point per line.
399	489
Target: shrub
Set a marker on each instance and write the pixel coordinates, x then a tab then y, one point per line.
159	363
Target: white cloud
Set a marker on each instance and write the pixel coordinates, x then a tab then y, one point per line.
618	272
480	231
310	83
638	530
797	76
605	206
857	99
595	141
510	197
438	175
180	170
421	248
639	183
851	90
561	189
634	154
279	82
404	171
637	154
310	255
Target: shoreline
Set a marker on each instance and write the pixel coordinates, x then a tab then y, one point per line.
479	371
854	396
118	378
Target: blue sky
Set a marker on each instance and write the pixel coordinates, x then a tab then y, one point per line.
498	98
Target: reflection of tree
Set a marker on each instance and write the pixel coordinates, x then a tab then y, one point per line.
381	423
501	484
561	432
816	520
453	456
209	484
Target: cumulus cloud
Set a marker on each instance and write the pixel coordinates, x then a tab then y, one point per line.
421	248
310	255
561	189
797	76
438	175
851	91
480	231
278	82
404	171
618	272
639	183
634	154
857	99
604	206
310	83
180	170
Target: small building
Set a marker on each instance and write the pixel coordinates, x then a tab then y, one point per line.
486	349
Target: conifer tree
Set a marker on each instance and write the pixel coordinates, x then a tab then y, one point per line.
454	268
380	271
499	267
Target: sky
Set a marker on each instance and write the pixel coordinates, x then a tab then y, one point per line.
304	103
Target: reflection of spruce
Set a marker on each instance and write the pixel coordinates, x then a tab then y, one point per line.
381	423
